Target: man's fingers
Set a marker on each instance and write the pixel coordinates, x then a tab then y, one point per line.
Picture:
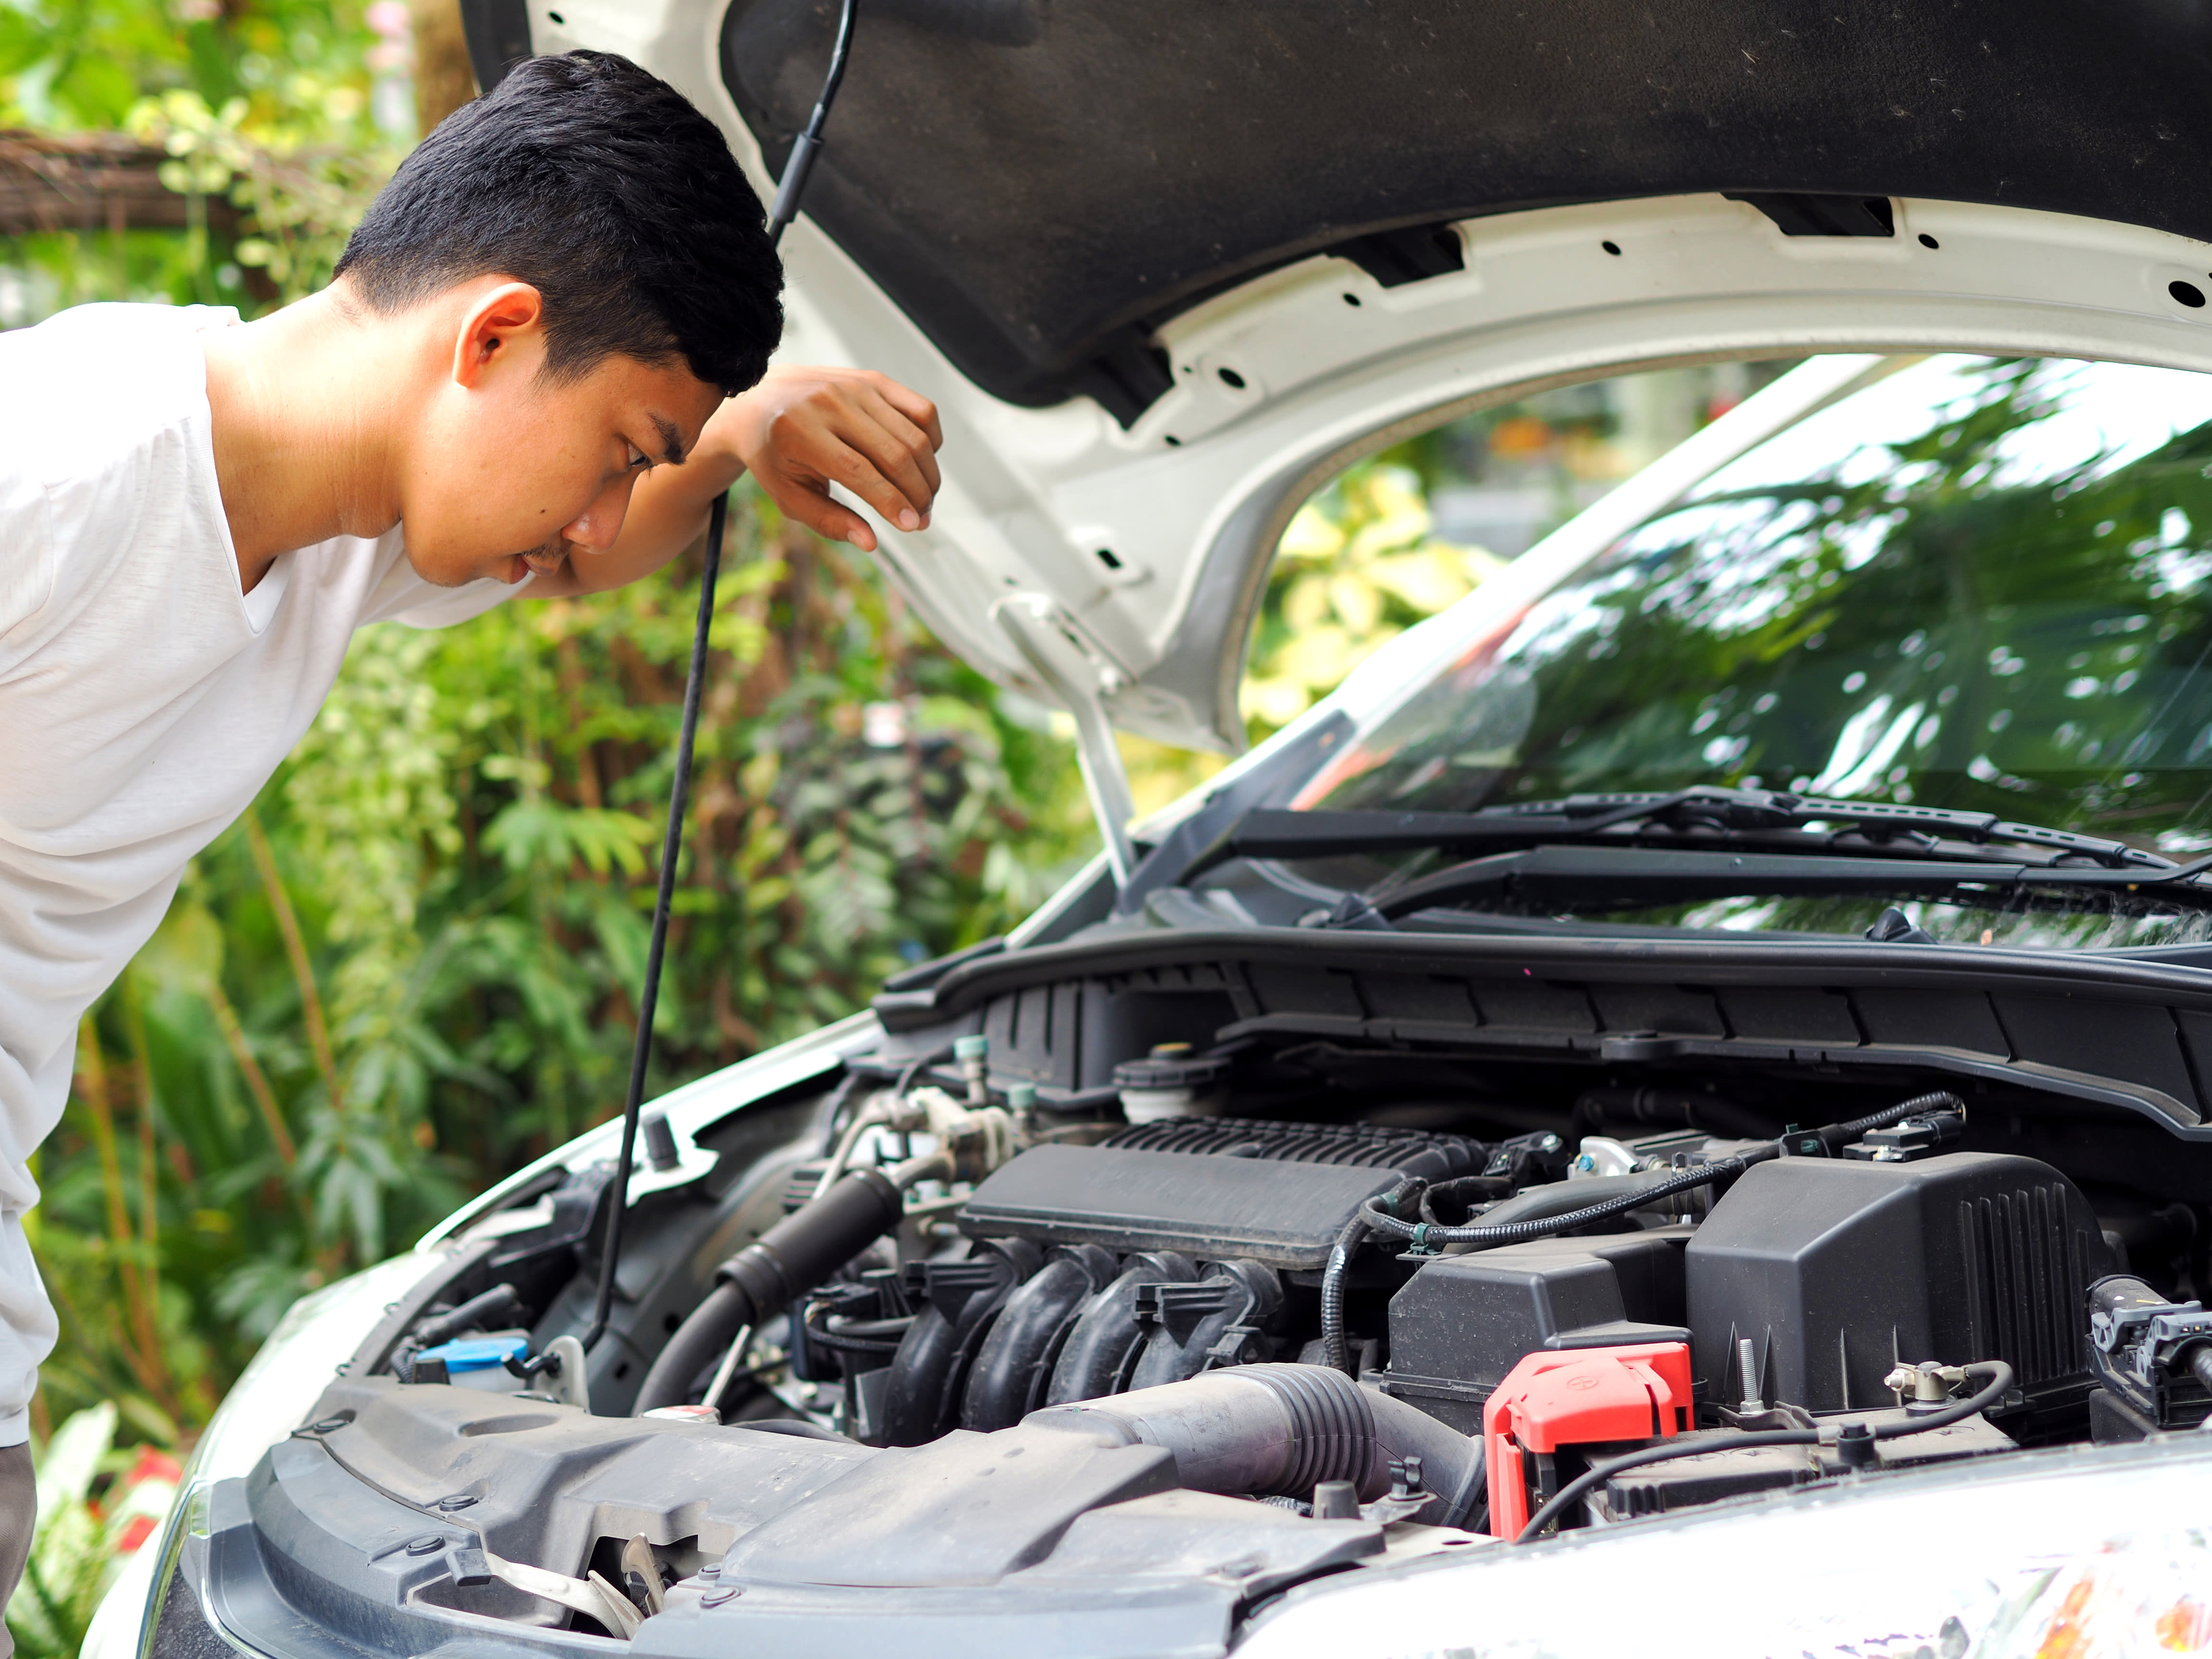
886	470
916	407
814	505
919	447
863	431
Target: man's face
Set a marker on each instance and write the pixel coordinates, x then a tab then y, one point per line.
513	472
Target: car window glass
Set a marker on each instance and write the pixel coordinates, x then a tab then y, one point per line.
1979	583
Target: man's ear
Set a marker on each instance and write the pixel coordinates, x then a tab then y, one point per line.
505	321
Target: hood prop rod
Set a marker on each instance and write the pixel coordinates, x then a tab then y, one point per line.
649	999
794	186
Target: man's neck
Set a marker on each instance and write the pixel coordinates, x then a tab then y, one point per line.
303	416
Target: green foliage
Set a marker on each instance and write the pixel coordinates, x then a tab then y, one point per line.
300	201
1357	566
263	103
95	1504
70	64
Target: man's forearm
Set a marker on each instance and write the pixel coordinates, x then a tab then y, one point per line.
800	431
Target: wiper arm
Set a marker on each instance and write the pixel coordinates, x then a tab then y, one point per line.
1544	878
1705	810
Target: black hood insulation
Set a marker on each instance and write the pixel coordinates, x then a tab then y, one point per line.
1039	185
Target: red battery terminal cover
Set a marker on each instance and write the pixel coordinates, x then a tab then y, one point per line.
1577	1397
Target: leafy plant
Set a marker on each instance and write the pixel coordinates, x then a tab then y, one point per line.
96	1506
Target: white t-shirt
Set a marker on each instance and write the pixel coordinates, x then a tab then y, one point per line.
143	700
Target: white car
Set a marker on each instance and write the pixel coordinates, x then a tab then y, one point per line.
1667	1115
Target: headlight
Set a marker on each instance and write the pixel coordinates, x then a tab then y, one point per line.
2088	1552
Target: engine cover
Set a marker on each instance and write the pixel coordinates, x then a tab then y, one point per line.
1212	1188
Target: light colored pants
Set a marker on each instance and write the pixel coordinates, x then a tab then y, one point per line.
18	1510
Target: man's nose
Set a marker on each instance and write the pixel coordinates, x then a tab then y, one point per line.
597	527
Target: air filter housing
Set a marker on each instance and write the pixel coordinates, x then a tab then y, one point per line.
1836	1270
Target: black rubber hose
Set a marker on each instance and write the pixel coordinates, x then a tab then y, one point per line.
1558	1197
1268	1430
1425	1235
698	1342
1943	1100
1456	1202
857	1336
787	1260
1691	1445
496	1306
1336	1354
2000	1382
2000	1379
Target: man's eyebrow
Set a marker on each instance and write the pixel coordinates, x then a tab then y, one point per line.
671	440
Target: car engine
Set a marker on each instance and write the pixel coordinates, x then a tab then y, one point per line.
960	1258
1810	1273
907	1325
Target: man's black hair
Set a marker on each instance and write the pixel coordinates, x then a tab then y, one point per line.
599	184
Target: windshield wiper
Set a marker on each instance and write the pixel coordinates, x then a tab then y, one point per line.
1548	878
1774	820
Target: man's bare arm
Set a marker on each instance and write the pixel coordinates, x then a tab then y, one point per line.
798	431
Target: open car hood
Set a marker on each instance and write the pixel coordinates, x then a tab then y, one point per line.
1166	273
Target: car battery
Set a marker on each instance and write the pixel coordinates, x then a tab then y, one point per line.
1554	1404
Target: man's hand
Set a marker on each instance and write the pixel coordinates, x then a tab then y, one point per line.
801	430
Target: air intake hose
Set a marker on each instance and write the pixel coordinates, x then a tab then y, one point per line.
1281	1430
790	1259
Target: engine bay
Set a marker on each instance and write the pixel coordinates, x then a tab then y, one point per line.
912	1327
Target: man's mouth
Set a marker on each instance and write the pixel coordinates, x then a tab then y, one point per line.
543	561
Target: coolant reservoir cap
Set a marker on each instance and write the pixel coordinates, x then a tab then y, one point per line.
1171	1066
477	1353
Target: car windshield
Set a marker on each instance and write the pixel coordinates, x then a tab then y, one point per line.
1978	583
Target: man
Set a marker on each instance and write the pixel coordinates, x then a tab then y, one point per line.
543	355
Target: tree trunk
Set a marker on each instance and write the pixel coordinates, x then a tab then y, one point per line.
443	80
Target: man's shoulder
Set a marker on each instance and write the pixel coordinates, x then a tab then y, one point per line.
92	386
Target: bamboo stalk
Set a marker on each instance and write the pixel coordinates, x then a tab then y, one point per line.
92	1087
146	1314
295	948
257	1081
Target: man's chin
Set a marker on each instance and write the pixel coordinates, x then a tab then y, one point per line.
442	570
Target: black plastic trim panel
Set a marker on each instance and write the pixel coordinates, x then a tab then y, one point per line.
2128	1034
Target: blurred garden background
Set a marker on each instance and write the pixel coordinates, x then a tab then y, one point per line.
409	969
